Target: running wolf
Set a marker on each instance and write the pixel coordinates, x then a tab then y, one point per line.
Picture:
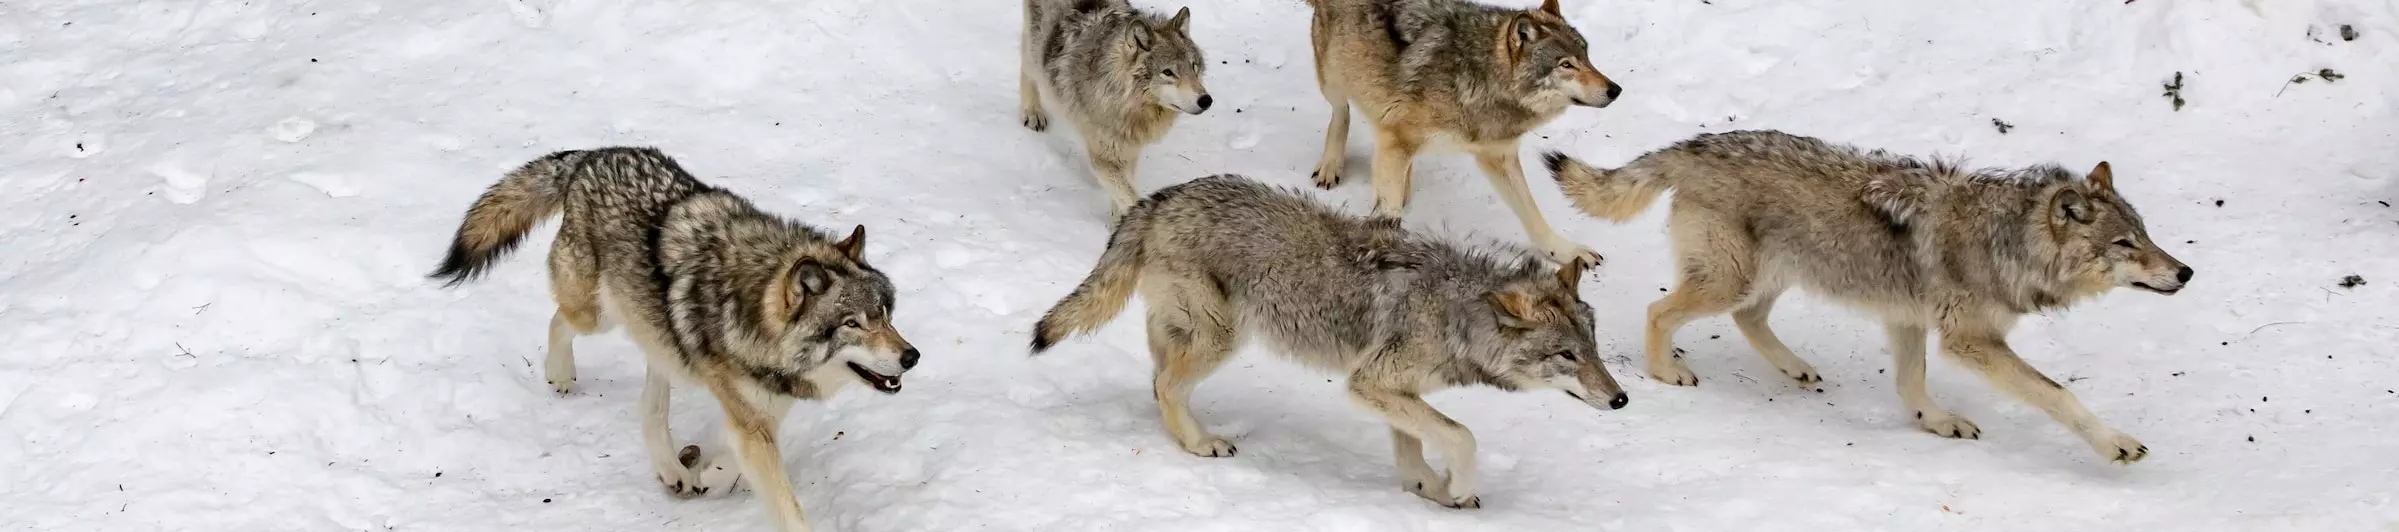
1121	74
1451	74
1222	258
759	309
1922	244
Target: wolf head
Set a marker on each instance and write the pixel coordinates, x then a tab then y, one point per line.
2104	241
1169	64
1551	63
1545	339
835	308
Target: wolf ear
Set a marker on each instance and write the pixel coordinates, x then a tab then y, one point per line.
1525	32
1571	275
809	278
1142	35
2072	205
1515	308
1551	7
855	245
1181	22
2103	178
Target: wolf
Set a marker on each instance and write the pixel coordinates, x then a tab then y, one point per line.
1223	258
1122	75
759	309
1440	74
1921	244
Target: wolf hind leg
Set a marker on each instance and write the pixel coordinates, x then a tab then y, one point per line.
574	284
1751	319
1715	261
1190	336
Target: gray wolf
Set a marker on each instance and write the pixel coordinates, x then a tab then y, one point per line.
1224	258
1922	244
1451	74
1121	74
759	309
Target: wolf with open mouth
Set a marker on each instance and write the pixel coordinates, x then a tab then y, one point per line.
759	309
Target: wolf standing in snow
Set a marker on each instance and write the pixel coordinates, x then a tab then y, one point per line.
1121	74
759	309
1924	245
1222	258
1449	73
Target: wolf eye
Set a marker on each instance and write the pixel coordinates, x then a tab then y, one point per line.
1568	355
851	323
1569	65
2126	243
1168	72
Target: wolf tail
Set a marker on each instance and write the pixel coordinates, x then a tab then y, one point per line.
1615	195
499	220
1104	292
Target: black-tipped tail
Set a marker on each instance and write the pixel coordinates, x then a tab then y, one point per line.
498	221
1555	160
1041	337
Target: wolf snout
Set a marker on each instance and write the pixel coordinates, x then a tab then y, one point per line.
1204	102
1614	89
908	359
1619	402
2183	275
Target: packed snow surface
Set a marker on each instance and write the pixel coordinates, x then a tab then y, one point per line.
217	215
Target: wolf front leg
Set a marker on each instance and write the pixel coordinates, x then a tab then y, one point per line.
659	439
1907	353
1394	164
1506	171
1113	163
751	419
1415	476
1990	356
1411	416
1028	89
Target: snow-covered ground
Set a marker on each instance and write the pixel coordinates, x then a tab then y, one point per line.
216	216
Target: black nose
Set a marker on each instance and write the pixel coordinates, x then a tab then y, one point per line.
2183	276
1205	101
908	359
1614	89
1619	402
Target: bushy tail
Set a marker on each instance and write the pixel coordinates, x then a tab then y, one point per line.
1103	294
1615	195
499	220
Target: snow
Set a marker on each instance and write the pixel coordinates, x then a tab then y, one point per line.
217	216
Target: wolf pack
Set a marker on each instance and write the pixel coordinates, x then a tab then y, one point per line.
764	310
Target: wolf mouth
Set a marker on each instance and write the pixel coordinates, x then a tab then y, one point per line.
882	383
2145	286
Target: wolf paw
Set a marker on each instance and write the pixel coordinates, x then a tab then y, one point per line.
1564	252
2120	448
677	476
561	374
1470	502
1947	425
1327	175
1212	447
1036	120
1804	374
1428	485
1673	372
722	472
